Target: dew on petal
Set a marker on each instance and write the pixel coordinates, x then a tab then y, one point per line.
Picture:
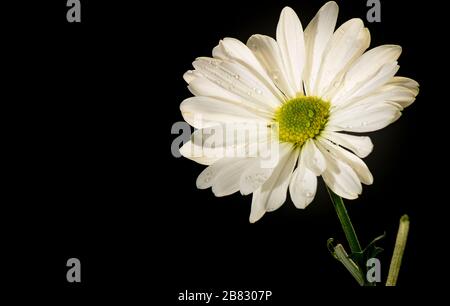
275	74
257	90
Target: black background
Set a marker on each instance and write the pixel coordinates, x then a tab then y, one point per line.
93	176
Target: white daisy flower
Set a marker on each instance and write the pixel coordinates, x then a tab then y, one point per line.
313	85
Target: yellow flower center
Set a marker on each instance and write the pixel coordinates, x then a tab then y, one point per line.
301	118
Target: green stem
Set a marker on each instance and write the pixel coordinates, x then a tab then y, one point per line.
344	218
399	249
349	264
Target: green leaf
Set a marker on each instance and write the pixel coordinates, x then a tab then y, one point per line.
370	251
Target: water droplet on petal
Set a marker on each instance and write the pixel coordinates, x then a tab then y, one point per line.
275	75
208	176
257	90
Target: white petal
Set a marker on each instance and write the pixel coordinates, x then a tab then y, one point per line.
317	35
202	112
232	135
365	69
383	75
363	118
313	158
340	177
405	82
268	53
208	145
400	91
219	51
360	145
396	95
401	97
237	79
206	177
292	47
227	180
196	153
235	50
350	159
238	51
258	89
202	86
254	176
191	75
272	194
348	43
279	189
303	185
258	206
